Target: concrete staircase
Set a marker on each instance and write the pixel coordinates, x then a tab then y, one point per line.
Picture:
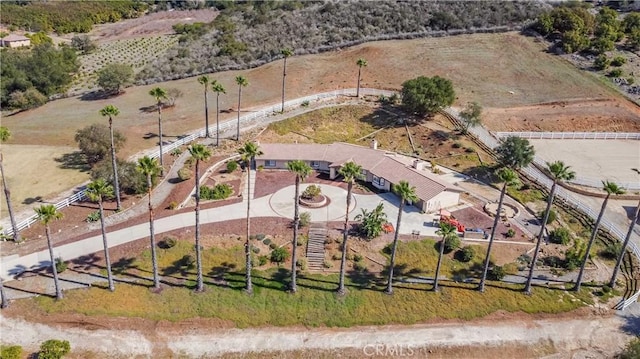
315	246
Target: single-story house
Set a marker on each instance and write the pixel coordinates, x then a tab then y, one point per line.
13	40
380	168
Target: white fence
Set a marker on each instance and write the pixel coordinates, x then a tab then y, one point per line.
572	135
257	115
582	181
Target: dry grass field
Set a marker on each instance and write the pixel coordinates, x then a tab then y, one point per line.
497	70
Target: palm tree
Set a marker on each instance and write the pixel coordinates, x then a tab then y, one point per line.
612	189
199	153
286	53
218	89
447	231
4	136
248	153
112	111
97	191
149	168
515	152
159	94
361	63
559	172
406	193
509	178
204	80
302	170
242	82
350	171
612	282
47	213
4	303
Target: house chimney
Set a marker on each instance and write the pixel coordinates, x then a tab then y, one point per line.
374	144
418	164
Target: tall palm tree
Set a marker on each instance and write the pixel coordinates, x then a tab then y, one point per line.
509	178
612	189
218	89
112	111
4	303
447	231
47	213
248	153
559	172
98	191
204	80
149	167
350	171
242	82
612	282
5	134
302	170
406	193
286	53
361	63
199	153
159	94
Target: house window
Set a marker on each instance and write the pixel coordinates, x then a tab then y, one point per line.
315	164
270	163
378	180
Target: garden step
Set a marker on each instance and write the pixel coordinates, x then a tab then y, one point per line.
316	246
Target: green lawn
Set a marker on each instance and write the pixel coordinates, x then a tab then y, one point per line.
315	304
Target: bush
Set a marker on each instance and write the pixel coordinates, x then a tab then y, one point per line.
358	257
457	145
612	250
466	254
606	289
615	73
560	236
279	255
302	240
173	205
311	192
336	256
185	173
266	241
552	216
232	166
61	265
359	266
11	352
261	236
168	242
631	351
176	152
305	103
451	243
327	264
302	263
618	61
511	233
601	62
218	192
255	250
496	273
273	246
305	219
426	95
93	217
262	260
54	349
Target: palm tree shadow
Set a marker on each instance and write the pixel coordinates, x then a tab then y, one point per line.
364	279
631	325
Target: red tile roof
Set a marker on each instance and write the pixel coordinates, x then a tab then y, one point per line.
378	162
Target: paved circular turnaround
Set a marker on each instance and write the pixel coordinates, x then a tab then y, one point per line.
282	203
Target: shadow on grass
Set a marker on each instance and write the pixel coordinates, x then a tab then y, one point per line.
75	161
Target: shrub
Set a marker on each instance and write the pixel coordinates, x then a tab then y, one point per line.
305	103
188	261
305	219
359	266
185	173
176	152
273	246
54	349
496	273
511	233
218	192
552	216
601	62
168	242
560	236
93	217
302	263
606	289
618	61
612	250
553	262
279	255
266	241
11	352
262	260
358	257
451	243
615	73
302	240
336	256
510	268
457	145
311	191
255	250
261	236
631	351
232	166
327	264
61	265
630	80
467	253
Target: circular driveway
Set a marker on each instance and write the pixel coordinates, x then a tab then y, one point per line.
282	202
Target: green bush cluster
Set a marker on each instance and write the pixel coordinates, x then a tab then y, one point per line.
61	265
232	166
54	349
560	236
93	217
10	352
279	255
219	191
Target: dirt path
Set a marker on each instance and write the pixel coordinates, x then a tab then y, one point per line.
599	336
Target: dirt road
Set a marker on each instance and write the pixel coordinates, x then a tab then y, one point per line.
593	337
